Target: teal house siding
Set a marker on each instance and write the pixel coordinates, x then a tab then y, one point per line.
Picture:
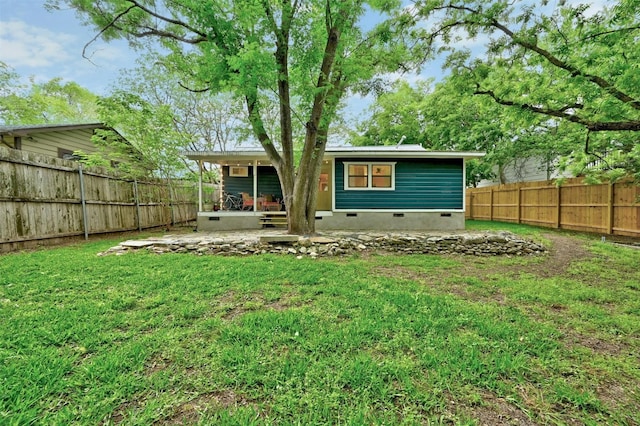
420	184
235	185
268	182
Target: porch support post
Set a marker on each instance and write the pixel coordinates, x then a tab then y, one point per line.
200	200
255	185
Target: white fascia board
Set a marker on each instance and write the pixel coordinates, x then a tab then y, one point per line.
230	157
404	154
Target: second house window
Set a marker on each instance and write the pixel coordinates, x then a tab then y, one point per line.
379	176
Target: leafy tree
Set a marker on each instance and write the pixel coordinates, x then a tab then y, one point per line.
52	102
307	52
568	66
449	117
396	116
161	118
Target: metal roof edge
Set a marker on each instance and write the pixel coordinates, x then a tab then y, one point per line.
257	155
41	128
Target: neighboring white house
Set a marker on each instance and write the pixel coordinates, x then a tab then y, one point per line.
55	140
529	169
67	140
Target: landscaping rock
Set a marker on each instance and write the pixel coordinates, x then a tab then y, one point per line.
337	244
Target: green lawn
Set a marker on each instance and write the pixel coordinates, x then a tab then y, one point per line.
377	339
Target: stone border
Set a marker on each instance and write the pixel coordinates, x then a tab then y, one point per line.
338	244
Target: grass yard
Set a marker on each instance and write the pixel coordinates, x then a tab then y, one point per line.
374	339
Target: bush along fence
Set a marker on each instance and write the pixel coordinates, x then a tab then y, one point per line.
45	200
612	209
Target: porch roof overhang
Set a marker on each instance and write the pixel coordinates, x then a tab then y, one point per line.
248	156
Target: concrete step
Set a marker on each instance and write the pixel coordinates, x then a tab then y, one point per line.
273	219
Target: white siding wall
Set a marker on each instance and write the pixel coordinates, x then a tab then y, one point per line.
8	141
47	143
527	170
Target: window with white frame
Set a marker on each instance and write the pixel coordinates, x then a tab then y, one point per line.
375	176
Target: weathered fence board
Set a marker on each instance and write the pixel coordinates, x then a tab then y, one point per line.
41	199
575	205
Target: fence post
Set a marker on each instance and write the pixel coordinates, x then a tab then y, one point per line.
83	200
471	205
518	218
200	194
610	208
137	200
171	201
491	205
558	208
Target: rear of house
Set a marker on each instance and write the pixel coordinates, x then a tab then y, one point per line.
360	188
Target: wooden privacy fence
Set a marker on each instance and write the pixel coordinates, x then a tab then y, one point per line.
602	208
47	199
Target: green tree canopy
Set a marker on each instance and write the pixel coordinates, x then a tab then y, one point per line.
51	102
161	118
562	63
305	54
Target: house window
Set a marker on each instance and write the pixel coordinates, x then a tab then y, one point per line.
238	171
67	154
375	176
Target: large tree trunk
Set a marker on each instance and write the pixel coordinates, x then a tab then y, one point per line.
302	216
302	212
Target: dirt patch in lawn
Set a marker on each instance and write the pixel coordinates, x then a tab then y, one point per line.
496	411
563	251
191	411
233	305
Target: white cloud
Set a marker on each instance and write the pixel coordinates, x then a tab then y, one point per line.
22	45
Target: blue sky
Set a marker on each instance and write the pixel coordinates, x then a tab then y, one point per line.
42	44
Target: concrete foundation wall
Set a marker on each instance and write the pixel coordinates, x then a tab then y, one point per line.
211	222
389	221
360	221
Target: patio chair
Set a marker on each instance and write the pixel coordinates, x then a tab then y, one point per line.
247	201
269	203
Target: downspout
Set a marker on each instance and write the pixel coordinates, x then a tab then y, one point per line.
200	201
255	185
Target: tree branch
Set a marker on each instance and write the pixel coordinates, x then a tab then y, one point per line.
102	31
168	20
574	71
165	34
603	33
206	89
552	59
257	124
593	126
